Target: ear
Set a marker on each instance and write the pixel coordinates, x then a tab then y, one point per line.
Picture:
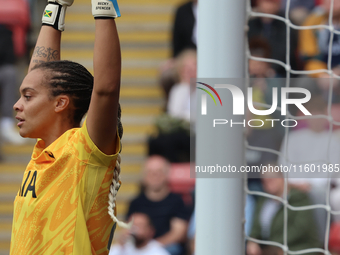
61	103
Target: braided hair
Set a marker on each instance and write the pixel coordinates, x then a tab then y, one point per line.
115	184
71	79
74	80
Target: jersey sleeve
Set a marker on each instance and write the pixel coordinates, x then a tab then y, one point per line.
88	152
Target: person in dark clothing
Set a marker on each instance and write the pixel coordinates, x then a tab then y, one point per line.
8	86
7	55
161	212
275	32
166	209
184	29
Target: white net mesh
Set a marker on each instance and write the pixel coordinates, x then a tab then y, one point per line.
289	71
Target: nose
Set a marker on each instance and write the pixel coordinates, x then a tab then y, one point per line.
17	106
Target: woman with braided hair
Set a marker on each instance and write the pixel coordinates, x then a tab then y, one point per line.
66	202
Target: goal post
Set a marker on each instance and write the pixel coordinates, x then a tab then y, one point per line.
220	201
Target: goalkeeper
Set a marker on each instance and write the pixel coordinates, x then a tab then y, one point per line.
66	202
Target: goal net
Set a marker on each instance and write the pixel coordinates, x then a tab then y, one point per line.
306	159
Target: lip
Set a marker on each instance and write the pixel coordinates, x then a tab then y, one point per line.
21	121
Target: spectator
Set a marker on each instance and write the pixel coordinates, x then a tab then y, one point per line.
312	144
167	78
314	43
8	87
260	47
262	82
173	138
299	9
166	210
14	23
139	239
179	98
184	34
275	32
269	219
263	76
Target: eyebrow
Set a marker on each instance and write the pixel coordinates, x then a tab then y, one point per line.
25	89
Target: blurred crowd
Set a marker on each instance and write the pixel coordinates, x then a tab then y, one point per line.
14	28
163	212
314	140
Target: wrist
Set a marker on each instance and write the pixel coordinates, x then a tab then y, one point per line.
54	15
105	9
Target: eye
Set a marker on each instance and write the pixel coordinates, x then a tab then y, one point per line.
27	97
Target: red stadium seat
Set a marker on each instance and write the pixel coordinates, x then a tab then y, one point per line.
180	181
334	237
15	14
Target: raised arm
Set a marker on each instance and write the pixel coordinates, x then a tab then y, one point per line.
47	47
102	115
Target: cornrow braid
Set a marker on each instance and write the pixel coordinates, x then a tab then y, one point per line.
72	79
115	185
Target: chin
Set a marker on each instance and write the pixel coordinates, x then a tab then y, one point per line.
24	134
157	188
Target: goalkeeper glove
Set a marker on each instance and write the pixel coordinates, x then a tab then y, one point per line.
105	9
54	14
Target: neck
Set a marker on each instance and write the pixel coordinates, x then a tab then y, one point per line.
141	245
266	20
185	80
157	195
49	140
58	128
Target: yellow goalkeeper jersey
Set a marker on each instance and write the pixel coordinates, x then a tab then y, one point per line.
61	207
